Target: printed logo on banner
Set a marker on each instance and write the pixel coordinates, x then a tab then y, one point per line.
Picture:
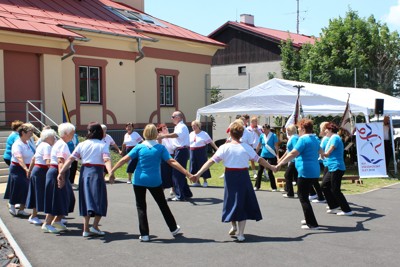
370	150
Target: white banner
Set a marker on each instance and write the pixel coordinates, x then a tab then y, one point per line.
370	150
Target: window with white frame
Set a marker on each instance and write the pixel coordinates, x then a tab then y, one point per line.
89	84
166	90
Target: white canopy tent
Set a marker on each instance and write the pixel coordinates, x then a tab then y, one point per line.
277	97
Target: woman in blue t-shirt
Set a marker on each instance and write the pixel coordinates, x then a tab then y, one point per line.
332	180
306	151
147	177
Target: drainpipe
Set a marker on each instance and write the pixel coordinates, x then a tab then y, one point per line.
140	49
71	48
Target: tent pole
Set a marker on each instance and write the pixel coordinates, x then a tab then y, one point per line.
393	150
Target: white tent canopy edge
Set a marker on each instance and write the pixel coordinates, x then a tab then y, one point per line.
277	97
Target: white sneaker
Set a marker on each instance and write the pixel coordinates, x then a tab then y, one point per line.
256	189
312	197
333	211
205	184
294	183
178	229
12	210
274	190
35	221
196	185
222	175
23	213
240	238
59	226
171	193
128	182
306	227
96	232
303	222
342	213
255	175
144	238
318	201
49	229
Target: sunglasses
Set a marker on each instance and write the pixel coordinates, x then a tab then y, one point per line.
173	117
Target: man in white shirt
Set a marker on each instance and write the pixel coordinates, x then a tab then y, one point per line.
181	143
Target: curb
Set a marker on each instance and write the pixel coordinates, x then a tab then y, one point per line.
21	256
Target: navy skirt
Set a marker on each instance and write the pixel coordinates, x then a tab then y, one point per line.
37	182
166	175
92	191
197	158
17	186
240	201
58	201
132	163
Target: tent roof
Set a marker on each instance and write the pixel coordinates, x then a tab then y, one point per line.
277	97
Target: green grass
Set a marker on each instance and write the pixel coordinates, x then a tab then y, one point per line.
217	169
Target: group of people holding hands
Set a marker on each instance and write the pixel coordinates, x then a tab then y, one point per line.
39	179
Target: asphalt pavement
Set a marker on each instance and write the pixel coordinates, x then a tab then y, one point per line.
369	238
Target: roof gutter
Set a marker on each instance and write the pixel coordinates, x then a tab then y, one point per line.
138	39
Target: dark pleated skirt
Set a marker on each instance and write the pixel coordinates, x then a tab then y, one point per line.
58	201
131	164
17	186
37	183
240	202
166	175
92	191
197	158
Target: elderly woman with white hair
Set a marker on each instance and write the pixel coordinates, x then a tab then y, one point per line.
198	151
59	197
37	171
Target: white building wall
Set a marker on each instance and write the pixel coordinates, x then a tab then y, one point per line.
227	79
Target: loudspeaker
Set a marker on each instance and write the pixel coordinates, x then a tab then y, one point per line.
379	106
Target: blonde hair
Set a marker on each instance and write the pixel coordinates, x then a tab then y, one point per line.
197	123
291	130
323	125
150	132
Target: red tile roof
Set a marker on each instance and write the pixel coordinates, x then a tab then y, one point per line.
276	35
71	18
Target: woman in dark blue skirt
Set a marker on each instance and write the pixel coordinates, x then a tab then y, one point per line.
240	202
59	196
131	139
18	183
198	151
94	155
166	169
38	169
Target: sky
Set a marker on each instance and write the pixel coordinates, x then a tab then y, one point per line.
205	16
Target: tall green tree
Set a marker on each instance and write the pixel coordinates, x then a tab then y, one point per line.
349	49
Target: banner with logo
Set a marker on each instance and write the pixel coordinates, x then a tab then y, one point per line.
370	150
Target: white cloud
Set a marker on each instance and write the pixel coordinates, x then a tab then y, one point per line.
394	15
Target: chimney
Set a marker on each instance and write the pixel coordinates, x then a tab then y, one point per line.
138	4
247	19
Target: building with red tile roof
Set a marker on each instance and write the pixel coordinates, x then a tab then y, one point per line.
251	56
113	62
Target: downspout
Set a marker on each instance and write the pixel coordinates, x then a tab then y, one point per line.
140	49
71	48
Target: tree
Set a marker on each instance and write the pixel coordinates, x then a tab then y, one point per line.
215	97
347	45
